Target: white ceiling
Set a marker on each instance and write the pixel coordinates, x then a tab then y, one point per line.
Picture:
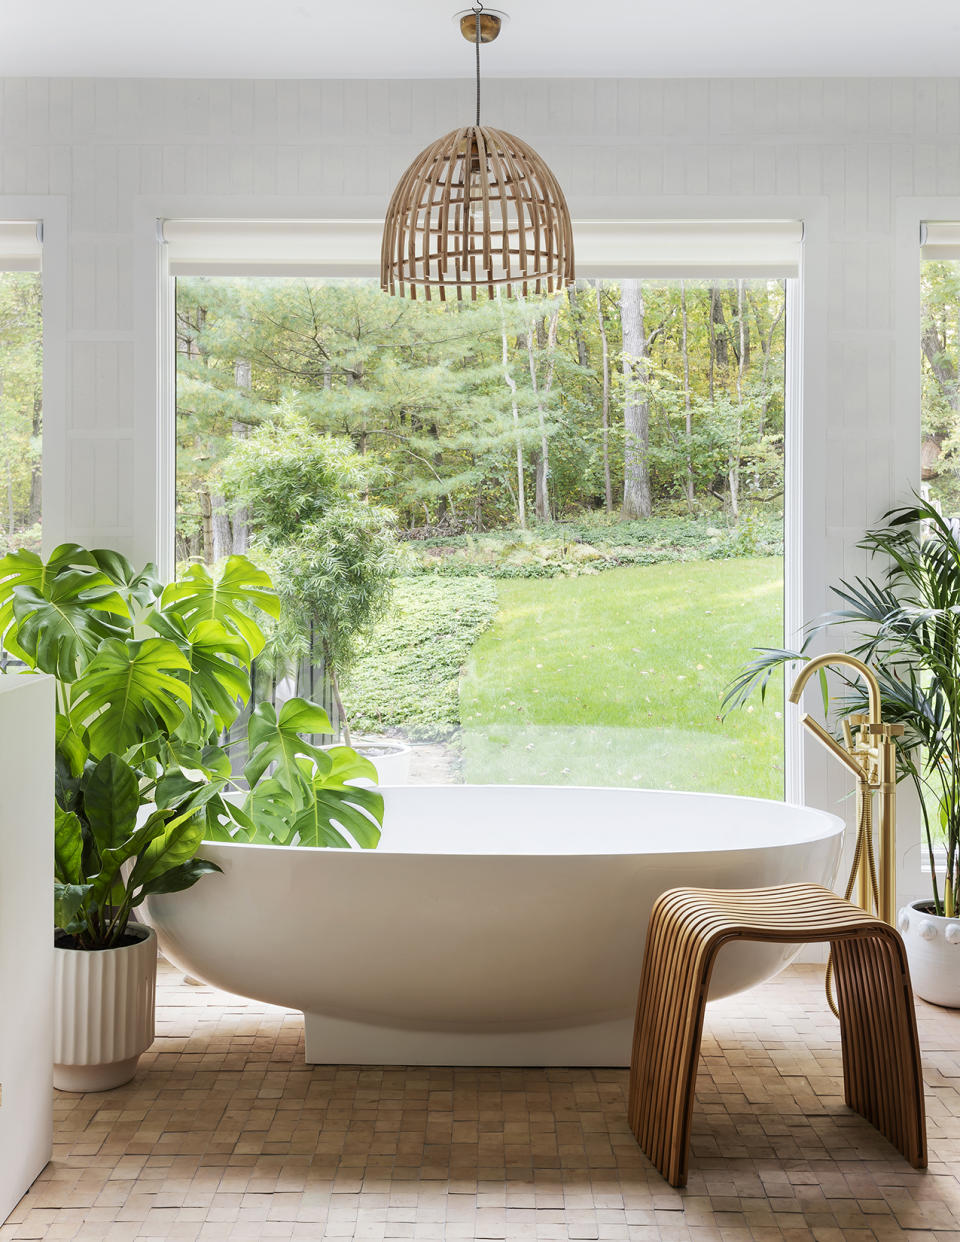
417	38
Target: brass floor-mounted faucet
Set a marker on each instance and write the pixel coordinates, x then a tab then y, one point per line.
869	751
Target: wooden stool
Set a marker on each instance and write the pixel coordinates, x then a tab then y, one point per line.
878	1027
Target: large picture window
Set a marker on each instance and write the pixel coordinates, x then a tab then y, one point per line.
532	538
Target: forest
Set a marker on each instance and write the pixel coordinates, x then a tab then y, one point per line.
940	345
20	410
625	399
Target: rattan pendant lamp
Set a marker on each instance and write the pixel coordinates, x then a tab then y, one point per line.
477	210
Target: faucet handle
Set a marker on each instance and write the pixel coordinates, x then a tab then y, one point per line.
886	730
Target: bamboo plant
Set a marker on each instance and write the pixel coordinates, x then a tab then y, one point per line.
906	627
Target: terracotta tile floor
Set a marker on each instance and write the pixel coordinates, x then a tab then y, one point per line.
226	1134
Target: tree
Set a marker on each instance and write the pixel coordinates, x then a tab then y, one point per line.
332	552
636	408
20	409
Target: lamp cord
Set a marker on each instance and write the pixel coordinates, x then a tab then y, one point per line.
478	9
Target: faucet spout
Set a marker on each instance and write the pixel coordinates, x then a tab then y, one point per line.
841	657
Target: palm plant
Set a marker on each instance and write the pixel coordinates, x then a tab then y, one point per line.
907	628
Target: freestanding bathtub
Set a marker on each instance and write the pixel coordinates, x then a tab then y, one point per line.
494	925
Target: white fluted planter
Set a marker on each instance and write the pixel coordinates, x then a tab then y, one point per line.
933	948
104	1018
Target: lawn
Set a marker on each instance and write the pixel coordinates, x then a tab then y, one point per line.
616	678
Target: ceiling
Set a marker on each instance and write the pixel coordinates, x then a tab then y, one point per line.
417	38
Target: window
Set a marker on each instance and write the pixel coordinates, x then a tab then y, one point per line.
573	509
940	359
20	386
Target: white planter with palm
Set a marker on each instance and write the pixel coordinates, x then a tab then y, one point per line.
907	624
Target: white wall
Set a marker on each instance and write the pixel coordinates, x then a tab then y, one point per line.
26	933
862	161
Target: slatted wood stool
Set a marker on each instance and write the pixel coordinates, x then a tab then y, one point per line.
878	1027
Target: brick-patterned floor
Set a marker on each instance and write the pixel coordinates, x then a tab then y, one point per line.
226	1134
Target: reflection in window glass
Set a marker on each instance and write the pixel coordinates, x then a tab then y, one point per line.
534	538
20	410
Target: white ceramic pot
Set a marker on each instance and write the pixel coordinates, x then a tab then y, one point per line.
104	1012
933	948
390	758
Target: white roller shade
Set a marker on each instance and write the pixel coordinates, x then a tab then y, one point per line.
604	248
273	247
675	249
940	239
20	246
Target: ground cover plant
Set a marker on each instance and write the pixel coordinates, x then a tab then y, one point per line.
589	545
617	680
406	677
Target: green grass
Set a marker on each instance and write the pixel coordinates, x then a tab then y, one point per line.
616	679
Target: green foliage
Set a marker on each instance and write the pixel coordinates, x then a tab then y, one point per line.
906	624
333	553
21	332
408	671
99	834
940	362
587	546
446	403
147	679
227	598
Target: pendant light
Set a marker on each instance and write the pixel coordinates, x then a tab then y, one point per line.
477	210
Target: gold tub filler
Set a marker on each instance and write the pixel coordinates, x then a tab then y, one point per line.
869	751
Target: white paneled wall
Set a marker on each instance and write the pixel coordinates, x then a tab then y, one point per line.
860	160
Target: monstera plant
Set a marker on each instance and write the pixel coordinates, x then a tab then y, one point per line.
149	681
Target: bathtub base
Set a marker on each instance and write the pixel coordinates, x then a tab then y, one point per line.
333	1041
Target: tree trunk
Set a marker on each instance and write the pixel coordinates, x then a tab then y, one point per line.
206	527
546	340
686	392
220	525
512	385
733	471
243	378
605	406
36	475
636	405
330	669
576	315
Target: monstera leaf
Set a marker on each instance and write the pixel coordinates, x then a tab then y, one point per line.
276	740
129	692
356	810
61	624
271	810
25	568
218	683
225	598
140	588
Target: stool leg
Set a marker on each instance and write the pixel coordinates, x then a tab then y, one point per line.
668	1029
882	1073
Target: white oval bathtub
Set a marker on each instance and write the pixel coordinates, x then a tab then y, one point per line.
494	925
